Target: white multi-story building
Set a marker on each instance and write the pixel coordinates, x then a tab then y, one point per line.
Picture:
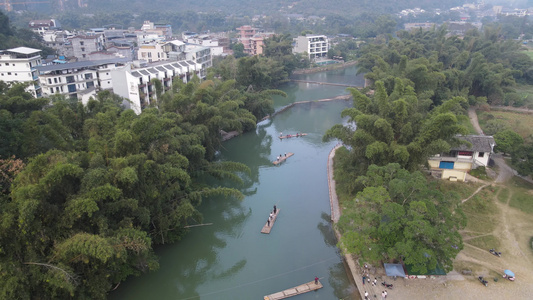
41	26
136	84
19	65
154	52
316	46
200	55
81	80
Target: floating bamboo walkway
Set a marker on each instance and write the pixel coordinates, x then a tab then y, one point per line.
301	289
292	135
326	83
283	158
266	229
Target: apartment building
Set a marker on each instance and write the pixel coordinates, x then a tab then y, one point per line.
81	80
252	39
135	84
41	26
316	46
160	51
85	44
200	55
161	30
20	65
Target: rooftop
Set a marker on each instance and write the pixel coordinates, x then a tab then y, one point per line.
480	143
80	64
23	50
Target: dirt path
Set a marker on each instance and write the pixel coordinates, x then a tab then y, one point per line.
473	119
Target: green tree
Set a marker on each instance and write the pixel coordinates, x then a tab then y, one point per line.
400	215
238	50
507	141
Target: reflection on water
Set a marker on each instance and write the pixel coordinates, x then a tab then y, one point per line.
231	259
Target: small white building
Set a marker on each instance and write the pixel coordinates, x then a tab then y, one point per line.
461	160
316	46
135	84
19	65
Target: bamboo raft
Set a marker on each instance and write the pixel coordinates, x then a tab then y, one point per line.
301	289
292	135
283	158
266	229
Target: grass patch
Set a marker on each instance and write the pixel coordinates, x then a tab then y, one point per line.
480	172
521	183
464	190
521	123
503	195
466	123
521	200
485	242
481	213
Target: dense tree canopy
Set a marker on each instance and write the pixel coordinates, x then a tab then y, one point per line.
398	215
98	185
478	65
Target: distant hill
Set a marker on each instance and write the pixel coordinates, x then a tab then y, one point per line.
253	7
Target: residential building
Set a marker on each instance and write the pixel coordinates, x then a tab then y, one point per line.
460	160
316	46
252	39
200	55
85	44
81	79
246	32
159	51
207	40
41	26
19	65
161	30
136	85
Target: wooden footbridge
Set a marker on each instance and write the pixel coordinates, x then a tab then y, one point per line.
281	159
301	289
326	83
266	229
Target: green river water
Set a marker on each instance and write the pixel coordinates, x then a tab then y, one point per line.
231	259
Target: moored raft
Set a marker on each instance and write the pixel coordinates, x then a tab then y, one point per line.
301	289
283	158
266	229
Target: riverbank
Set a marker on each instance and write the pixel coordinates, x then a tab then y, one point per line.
326	68
335	215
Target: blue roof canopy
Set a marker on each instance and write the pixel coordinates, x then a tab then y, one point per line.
394	270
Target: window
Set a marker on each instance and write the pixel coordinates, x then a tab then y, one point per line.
81	43
15	74
8	73
82	49
55	80
465	153
13	65
7	64
481	154
83	55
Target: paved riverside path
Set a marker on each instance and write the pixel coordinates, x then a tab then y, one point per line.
374	292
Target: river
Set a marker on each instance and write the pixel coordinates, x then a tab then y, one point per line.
231	259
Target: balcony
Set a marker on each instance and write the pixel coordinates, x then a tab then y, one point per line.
464	159
142	86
